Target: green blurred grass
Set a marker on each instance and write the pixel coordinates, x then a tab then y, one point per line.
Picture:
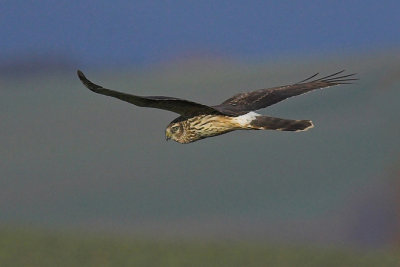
50	248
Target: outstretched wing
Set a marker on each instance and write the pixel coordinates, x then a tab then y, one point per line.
183	107
245	102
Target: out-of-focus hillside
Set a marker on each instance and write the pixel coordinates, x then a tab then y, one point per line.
44	248
70	158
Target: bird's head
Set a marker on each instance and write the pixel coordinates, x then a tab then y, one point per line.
174	131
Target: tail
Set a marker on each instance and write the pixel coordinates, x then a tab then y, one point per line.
271	123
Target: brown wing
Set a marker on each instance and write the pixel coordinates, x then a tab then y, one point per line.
183	107
245	102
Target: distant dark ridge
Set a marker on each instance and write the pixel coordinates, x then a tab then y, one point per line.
22	66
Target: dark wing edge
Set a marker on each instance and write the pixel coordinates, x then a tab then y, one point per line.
183	107
245	102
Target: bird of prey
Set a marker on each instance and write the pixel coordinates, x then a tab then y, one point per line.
198	121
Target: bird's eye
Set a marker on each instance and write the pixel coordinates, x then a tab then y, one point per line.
174	129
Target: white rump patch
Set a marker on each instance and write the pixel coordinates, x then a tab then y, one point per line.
305	129
246	118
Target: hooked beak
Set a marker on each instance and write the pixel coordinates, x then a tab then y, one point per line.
167	136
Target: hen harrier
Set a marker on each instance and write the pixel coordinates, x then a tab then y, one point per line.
198	121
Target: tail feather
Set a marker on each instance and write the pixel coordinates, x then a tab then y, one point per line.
271	123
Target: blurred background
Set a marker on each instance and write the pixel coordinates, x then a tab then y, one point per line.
86	180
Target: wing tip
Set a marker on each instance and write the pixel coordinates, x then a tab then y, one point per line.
81	76
333	79
88	84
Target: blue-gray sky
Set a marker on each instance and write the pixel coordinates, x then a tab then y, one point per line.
112	33
73	158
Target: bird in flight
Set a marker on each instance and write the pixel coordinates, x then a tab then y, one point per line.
198	121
